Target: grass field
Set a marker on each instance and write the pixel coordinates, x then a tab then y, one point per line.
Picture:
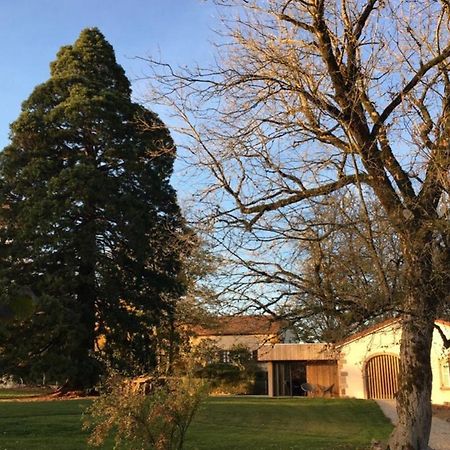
239	423
23	392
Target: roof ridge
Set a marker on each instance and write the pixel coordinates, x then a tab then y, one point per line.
379	326
369	330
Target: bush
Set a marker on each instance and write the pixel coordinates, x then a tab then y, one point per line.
240	375
227	378
157	421
223	371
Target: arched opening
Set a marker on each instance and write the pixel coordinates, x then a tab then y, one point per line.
381	374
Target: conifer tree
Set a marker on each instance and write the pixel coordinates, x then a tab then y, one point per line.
89	221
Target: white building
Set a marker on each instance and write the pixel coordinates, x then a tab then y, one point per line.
363	366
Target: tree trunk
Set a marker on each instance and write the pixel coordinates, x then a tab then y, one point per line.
86	372
415	378
414	396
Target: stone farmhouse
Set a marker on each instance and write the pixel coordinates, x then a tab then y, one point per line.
365	365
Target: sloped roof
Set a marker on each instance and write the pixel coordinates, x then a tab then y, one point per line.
443	322
240	325
369	330
379	326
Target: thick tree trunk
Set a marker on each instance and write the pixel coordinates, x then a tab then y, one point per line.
414	396
86	374
415	378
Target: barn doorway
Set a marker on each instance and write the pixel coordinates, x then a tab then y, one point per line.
381	374
288	378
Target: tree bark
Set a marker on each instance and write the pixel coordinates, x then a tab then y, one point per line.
414	396
86	373
415	378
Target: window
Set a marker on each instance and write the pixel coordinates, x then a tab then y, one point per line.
445	373
225	356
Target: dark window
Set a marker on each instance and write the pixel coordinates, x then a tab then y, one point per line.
225	356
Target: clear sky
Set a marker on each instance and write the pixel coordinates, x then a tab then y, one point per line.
32	31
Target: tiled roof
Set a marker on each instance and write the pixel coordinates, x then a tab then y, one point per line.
369	330
443	322
379	326
240	325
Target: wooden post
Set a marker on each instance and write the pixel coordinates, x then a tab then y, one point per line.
270	378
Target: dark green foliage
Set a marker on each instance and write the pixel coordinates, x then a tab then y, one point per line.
240	375
18	306
89	220
222	371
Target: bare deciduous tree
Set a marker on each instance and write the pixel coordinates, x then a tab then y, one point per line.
315	97
348	274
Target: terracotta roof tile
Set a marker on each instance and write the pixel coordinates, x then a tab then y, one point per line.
240	325
368	330
443	322
379	326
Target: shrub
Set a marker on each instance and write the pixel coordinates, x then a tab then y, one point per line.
158	420
223	371
240	375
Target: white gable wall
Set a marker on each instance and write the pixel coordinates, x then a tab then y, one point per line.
355	353
386	340
439	366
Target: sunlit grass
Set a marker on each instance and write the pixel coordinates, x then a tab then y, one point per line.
239	423
23	392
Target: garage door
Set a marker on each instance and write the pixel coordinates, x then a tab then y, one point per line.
381	373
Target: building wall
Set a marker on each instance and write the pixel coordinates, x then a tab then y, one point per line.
440	368
325	374
319	363
354	355
253	342
297	352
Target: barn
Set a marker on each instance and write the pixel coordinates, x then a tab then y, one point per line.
365	365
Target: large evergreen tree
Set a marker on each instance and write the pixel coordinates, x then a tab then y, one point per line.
90	222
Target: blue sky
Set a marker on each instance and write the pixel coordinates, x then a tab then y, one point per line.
32	31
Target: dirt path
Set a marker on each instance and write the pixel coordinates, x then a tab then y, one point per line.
440	426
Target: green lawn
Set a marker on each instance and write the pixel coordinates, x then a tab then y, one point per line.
23	392
307	424
53	425
222	423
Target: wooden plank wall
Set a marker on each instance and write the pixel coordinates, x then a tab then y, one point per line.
297	352
323	373
381	373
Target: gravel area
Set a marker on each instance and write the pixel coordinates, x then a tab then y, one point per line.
440	427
